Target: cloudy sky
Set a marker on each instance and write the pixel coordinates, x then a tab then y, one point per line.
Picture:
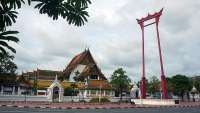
114	37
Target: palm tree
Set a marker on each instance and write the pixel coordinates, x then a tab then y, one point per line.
8	16
4	38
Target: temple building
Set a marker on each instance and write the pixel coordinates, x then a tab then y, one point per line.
82	71
10	86
44	78
83	68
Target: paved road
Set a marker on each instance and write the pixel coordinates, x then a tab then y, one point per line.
126	110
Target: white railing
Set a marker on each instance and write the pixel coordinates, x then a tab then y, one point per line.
5	93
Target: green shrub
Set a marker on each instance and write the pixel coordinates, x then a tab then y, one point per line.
132	102
94	100
121	101
105	100
68	91
41	88
101	100
82	101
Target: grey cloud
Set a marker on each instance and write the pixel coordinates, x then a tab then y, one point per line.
114	37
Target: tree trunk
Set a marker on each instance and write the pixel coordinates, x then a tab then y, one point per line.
120	95
182	95
25	98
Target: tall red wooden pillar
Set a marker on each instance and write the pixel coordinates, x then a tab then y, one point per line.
143	82
163	80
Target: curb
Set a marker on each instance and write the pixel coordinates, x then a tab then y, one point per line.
98	107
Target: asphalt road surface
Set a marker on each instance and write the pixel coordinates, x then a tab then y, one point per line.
126	110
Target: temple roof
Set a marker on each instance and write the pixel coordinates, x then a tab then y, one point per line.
77	60
27	73
84	58
194	90
88	69
97	82
8	80
23	81
47	73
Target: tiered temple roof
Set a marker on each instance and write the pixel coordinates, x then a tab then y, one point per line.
23	81
84	58
41	74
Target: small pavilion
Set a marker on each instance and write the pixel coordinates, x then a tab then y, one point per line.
55	91
135	92
194	92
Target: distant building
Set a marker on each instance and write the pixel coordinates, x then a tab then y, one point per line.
14	87
44	78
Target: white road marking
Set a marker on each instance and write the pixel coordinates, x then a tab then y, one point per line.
11	111
52	110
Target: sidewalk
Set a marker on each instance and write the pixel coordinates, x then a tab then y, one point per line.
76	105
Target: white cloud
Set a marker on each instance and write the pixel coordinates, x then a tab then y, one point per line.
114	37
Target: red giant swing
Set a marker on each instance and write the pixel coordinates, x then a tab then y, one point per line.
155	16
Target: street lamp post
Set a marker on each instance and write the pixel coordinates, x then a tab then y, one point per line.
140	94
100	93
160	93
71	96
79	97
199	88
140	97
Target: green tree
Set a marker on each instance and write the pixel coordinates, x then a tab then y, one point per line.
120	81
73	11
63	77
169	84
7	67
25	93
180	83
68	91
197	83
154	85
147	85
73	86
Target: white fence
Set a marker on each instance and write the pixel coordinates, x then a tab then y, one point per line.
44	98
65	98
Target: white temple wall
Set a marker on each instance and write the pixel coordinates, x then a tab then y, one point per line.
80	68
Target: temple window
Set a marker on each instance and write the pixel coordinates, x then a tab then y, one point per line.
94	77
93	92
107	92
